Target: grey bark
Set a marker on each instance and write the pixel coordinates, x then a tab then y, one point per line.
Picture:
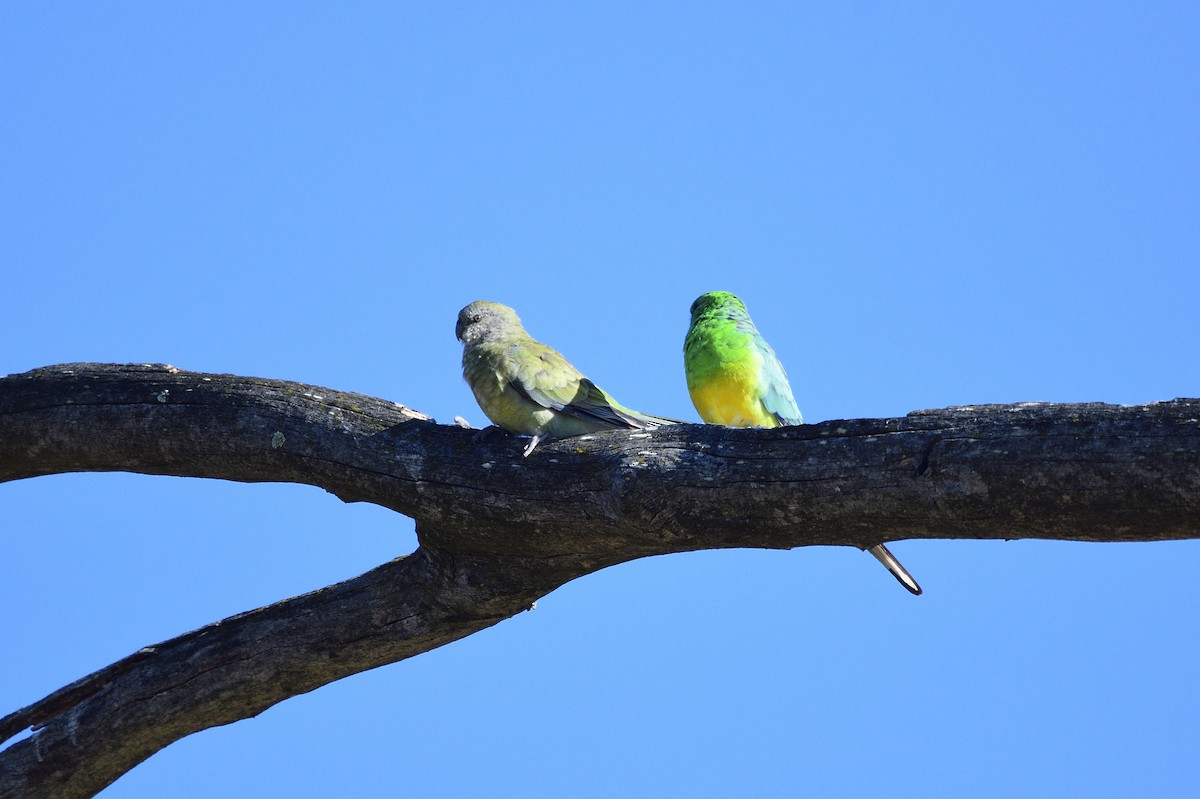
498	531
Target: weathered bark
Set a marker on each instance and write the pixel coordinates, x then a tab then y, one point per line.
497	531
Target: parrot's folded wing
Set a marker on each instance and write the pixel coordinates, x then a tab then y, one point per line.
547	378
777	398
593	404
586	401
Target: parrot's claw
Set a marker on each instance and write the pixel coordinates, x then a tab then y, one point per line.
529	447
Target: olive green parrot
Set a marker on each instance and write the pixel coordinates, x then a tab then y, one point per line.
528	388
735	379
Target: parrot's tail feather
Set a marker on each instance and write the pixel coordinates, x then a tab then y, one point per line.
646	420
884	556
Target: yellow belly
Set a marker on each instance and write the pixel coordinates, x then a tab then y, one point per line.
729	400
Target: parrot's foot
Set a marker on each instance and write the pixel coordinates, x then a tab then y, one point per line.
529	447
890	563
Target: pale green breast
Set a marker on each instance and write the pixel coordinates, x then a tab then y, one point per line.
529	388
492	372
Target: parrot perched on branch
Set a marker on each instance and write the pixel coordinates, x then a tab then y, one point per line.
735	379
525	387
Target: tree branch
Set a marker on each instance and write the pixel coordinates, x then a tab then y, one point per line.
498	531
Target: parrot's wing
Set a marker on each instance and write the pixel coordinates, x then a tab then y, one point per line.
777	396
549	379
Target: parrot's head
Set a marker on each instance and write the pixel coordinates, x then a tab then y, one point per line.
486	321
717	304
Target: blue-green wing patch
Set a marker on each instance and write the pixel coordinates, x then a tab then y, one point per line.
777	394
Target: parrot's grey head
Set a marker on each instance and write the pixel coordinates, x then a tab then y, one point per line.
719	303
486	321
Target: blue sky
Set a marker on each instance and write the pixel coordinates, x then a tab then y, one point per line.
922	205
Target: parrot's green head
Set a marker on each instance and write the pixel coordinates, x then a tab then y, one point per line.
718	304
483	321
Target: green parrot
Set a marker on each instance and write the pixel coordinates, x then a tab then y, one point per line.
735	379
528	388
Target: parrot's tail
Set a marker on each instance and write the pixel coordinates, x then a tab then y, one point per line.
647	420
884	556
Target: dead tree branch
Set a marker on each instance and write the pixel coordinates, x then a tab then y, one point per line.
498	531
